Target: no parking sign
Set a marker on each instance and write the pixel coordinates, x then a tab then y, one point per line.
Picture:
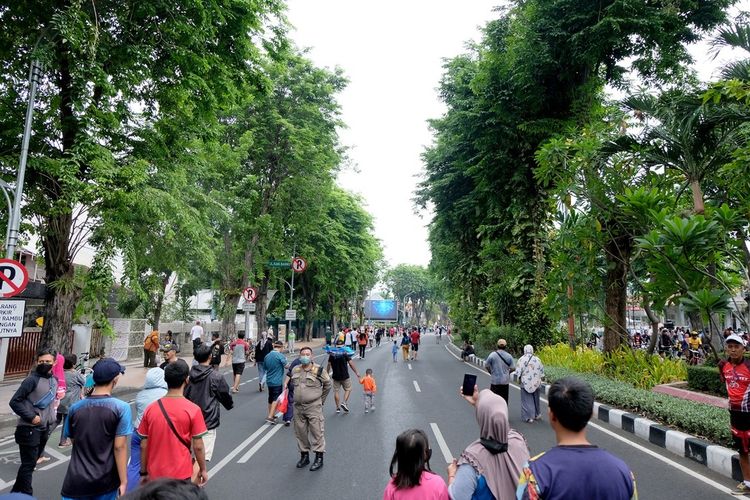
13	278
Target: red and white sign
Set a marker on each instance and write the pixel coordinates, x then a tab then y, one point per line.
250	294
299	264
13	278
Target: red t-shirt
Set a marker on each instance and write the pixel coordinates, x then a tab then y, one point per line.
737	380
415	338
167	456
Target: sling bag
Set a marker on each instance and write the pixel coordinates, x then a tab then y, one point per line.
171	425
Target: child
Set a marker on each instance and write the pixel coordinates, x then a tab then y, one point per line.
370	388
412	477
394	350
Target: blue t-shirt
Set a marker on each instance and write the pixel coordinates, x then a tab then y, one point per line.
585	471
93	424
274	363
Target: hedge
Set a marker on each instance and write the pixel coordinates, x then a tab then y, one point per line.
705	379
702	420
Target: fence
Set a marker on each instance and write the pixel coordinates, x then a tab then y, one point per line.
21	352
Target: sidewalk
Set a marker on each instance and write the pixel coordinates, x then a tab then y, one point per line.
129	384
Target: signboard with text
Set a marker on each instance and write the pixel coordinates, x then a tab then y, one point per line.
291	315
11	318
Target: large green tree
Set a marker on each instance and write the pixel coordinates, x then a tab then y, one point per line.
111	67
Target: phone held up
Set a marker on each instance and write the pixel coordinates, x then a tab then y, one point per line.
469	382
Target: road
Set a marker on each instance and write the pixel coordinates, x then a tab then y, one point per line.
256	460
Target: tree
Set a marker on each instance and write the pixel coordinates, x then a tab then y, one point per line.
111	68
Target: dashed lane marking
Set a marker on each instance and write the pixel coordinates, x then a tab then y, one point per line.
247	456
416	386
441	443
410	366
637	446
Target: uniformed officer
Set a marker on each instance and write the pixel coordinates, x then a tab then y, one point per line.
311	387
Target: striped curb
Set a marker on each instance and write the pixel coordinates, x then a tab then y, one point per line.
717	458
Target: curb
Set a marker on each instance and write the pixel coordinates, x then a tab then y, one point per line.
717	458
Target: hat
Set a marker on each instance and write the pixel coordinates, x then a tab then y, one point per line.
735	338
170	346
278	343
502	343
106	369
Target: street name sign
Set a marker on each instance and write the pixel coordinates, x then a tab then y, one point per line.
283	264
13	278
11	318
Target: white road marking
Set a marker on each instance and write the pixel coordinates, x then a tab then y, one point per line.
247	456
248	381
55	453
224	461
637	446
441	443
410	366
416	386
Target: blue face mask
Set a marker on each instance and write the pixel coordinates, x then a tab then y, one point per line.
305	360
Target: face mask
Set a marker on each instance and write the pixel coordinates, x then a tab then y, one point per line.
305	360
43	369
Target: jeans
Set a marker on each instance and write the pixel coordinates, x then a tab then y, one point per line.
31	442
261	374
134	466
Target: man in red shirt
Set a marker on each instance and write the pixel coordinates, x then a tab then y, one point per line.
735	373
414	343
168	427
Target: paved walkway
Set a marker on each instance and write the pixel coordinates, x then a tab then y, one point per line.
699	397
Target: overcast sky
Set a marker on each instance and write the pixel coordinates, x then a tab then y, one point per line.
392	52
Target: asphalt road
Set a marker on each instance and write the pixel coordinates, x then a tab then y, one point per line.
256	460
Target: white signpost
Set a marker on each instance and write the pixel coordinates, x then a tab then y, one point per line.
248	307
291	315
11	318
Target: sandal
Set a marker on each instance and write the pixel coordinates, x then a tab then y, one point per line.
43	459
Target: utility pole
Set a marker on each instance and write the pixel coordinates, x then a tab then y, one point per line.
14	218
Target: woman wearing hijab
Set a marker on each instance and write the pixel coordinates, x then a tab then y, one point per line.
154	388
489	468
530	371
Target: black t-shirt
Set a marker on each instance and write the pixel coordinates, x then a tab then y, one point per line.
340	366
217	350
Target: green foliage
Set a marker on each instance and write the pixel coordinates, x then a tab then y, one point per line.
635	367
699	419
706	379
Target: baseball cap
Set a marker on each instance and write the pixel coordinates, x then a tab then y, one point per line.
106	369
170	346
736	338
502	343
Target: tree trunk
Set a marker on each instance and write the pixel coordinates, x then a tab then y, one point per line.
229	316
309	315
159	302
617	252
63	291
654	325
695	188
261	312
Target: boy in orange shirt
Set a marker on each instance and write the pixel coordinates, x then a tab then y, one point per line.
370	388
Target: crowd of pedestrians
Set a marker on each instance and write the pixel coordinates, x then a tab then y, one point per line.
172	436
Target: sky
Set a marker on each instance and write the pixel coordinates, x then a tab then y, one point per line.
392	52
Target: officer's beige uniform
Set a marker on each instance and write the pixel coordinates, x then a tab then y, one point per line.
310	394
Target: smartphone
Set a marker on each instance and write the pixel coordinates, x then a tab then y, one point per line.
470	381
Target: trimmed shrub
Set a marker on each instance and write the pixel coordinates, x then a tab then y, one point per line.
706	421
706	379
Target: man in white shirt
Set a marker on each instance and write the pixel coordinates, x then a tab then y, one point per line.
196	333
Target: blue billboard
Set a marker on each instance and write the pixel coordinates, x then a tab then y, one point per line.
381	310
